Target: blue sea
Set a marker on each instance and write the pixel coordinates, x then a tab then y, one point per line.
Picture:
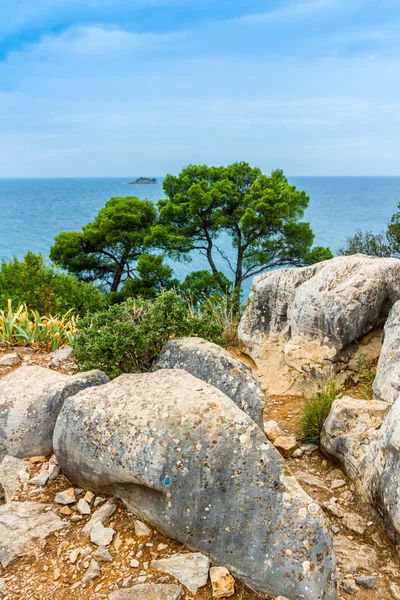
33	211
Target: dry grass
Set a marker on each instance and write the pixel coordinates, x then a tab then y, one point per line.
24	327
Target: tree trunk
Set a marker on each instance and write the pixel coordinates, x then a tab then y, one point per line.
209	252
238	280
119	271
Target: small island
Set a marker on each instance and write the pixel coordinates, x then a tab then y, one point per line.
142	180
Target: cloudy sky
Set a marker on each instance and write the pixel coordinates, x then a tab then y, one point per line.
123	87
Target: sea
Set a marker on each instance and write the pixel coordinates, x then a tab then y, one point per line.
33	211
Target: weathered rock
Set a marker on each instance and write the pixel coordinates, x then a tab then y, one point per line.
149	591
66	497
311	480
352	557
14	475
103	554
223	584
349	586
189	569
23	526
286	445
320	310
61	355
92	572
10	360
159	440
30	400
83	507
211	363
100	535
100	515
366	581
355	523
40	479
350	431
387	381
272	430
395	590
141	529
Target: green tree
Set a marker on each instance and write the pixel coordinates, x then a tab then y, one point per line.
366	242
259	215
108	248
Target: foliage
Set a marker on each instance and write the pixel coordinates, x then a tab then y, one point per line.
220	309
24	327
107	249
366	373
128	337
32	282
368	243
315	411
202	284
261	215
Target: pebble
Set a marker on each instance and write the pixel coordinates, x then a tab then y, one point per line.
366	581
286	445
272	430
83	507
92	572
337	484
103	554
65	510
10	360
349	586
74	555
40	479
100	535
141	529
298	453
66	497
88	497
223	584
134	563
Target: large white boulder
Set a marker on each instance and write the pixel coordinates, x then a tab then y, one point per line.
30	399
185	458
318	311
213	364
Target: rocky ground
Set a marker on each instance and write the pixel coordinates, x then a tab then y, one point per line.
63	565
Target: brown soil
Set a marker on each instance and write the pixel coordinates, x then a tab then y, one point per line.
33	577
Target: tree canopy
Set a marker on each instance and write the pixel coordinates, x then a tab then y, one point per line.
108	248
260	215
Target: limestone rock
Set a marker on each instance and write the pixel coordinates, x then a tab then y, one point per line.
223	584
92	572
40	479
366	581
23	526
83	507
311	480
100	535
61	355
159	441
14	475
349	432
30	400
149	591
141	529
387	381
100	515
272	430
352	557
319	310
189	569
349	586
286	445
10	360
395	591
66	497
103	554
211	363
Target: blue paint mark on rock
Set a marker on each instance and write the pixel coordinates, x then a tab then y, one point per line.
167	481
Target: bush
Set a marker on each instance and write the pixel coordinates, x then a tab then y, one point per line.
24	327
366	242
128	337
316	410
33	283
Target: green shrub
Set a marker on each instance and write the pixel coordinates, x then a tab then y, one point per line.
128	337
316	410
33	283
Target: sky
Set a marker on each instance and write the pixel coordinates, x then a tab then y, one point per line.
145	87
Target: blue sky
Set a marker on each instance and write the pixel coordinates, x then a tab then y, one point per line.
131	87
